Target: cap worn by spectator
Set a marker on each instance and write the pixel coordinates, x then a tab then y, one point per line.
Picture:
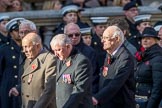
13	24
2	18
85	31
150	32
68	9
142	18
130	5
99	20
158	25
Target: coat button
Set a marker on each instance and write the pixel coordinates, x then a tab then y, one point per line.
7	43
12	48
14	66
22	94
13	57
27	95
15	76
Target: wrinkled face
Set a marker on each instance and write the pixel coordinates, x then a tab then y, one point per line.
123	2
2	26
148	42
74	34
24	30
71	17
109	43
87	39
60	51
160	35
31	50
16	5
132	12
142	26
99	29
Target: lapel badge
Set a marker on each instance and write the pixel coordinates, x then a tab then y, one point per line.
68	63
33	66
67	78
30	78
105	71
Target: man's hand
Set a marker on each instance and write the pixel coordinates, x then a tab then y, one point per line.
13	91
94	100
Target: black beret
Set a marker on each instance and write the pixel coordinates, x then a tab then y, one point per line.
130	5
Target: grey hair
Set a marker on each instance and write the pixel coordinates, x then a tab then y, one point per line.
60	39
70	25
118	32
31	25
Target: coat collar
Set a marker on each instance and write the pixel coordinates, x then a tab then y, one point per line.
35	64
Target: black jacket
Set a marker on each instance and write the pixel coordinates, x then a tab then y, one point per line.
149	76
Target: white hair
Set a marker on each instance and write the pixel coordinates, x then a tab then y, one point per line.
118	32
60	39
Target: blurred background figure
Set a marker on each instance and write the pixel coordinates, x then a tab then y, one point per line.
52	5
86	35
4	4
141	22
130	11
99	25
158	28
120	2
70	14
3	31
16	6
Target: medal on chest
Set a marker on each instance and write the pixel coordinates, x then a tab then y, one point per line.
105	71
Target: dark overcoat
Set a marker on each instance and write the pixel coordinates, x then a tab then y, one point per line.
117	84
149	76
9	73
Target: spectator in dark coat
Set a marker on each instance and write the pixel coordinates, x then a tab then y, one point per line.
149	72
10	65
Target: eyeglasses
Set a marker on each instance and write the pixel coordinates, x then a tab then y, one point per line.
74	34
